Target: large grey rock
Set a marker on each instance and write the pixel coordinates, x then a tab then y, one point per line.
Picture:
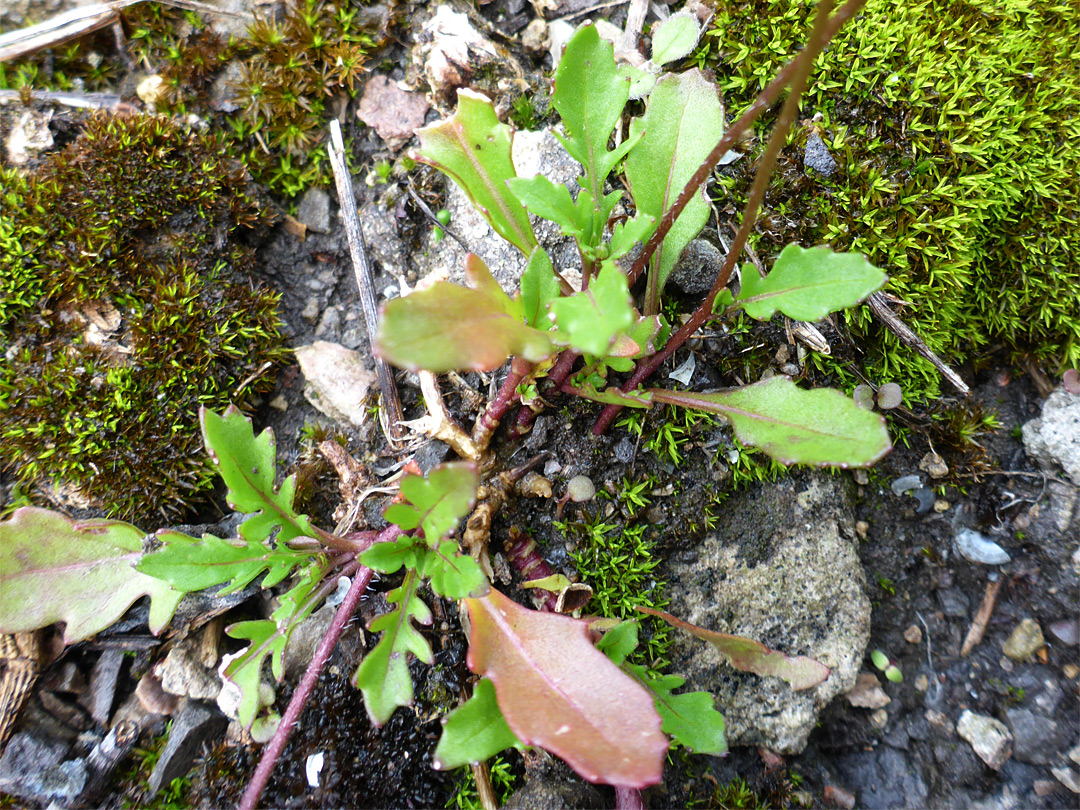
698	267
534	153
32	768
781	567
989	737
1036	739
337	380
1054	438
196	724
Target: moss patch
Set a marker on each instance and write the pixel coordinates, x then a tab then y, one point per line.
956	127
125	304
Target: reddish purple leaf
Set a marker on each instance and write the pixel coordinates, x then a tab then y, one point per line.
752	656
559	692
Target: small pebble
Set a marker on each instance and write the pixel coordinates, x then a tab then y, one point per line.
580	488
862	478
934	465
905	483
922	683
1070	671
864	396
279	403
1006	664
879	719
861	528
941	506
913	635
889	396
1026	639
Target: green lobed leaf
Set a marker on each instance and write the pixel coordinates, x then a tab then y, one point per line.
619	641
794	426
473	148
682	123
589	96
545	199
674	38
556	690
446	328
475	731
745	654
690	718
383	675
453	575
539	287
437	502
246	464
55	569
641	81
390	557
590	320
191	565
627	234
269	637
808	284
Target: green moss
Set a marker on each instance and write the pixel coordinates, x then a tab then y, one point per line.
126	303
503	782
956	129
619	565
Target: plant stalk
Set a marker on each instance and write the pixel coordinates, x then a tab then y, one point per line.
276	746
492	415
556	377
824	29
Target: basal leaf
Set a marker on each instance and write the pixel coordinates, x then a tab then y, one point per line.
590	96
627	234
55	569
191	565
752	656
590	320
690	718
474	731
674	38
246	464
619	641
808	284
473	148
795	426
268	637
383	675
539	287
390	557
437	502
453	575
545	199
556	690
682	123
613	396
446	328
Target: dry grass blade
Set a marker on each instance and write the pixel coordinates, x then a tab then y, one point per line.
79	21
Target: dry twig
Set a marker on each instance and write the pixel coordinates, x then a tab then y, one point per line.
882	312
982	618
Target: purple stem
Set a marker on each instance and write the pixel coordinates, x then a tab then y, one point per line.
628	798
824	28
274	748
505	398
556	377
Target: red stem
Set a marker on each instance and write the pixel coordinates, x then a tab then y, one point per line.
276	746
556	377
628	798
824	28
505	398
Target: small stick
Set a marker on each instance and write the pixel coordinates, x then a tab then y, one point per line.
903	331
598	7
978	626
362	268
635	20
482	775
426	209
86	101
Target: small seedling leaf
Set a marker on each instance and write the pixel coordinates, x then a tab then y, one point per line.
268	637
589	96
794	426
55	569
383	675
473	148
682	123
690	718
191	565
748	655
437	502
590	320
453	575
246	464
389	557
627	234
807	285
674	38
539	287
556	690
545	199
448	328
475	731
